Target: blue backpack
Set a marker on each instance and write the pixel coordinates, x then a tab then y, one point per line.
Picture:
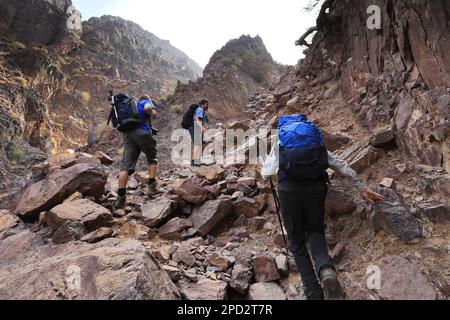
303	155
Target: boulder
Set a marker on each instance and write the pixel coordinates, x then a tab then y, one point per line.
109	270
174	273
393	216
241	277
172	230
353	289
207	217
7	222
69	231
438	213
256	224
89	179
134	230
157	212
191	192
217	260
237	125
266	269
403	280
204	289
334	142
104	159
210	173
90	214
249	181
98	235
184	255
73	197
339	202
361	156
266	292
382	137
247	207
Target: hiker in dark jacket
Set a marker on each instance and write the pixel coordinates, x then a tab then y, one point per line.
303	211
135	142
198	131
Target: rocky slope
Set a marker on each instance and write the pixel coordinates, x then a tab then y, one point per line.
235	73
214	234
55	72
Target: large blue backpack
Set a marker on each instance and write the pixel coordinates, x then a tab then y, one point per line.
124	113
303	155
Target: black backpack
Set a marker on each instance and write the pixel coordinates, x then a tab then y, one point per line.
124	114
188	118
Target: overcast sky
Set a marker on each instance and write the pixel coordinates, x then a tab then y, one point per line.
200	27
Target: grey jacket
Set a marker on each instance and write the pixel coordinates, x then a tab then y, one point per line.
344	169
270	168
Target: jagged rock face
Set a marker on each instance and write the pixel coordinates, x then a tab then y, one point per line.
55	72
116	48
399	74
40	22
232	76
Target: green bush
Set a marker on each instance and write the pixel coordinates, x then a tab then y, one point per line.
77	72
22	81
16	153
86	97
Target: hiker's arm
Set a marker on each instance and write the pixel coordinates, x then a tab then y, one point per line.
150	109
343	168
200	124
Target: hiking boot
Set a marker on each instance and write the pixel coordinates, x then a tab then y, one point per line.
120	203
153	189
195	164
331	286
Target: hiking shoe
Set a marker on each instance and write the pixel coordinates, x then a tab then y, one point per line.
120	203
194	164
331	286
153	190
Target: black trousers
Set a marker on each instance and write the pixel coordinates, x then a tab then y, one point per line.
303	211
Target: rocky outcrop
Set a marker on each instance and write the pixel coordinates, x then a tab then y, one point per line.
233	74
390	76
403	280
87	178
110	270
394	216
37	23
52	62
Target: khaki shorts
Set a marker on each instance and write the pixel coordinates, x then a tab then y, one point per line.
134	143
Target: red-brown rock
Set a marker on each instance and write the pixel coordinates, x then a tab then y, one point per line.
88	179
92	215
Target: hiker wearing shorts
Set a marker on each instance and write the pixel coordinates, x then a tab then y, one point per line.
135	142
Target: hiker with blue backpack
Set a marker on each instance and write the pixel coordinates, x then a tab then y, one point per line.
300	160
194	120
133	119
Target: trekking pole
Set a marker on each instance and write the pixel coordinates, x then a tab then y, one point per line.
278	208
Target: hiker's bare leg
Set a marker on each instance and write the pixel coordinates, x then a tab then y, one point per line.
123	179
152	171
